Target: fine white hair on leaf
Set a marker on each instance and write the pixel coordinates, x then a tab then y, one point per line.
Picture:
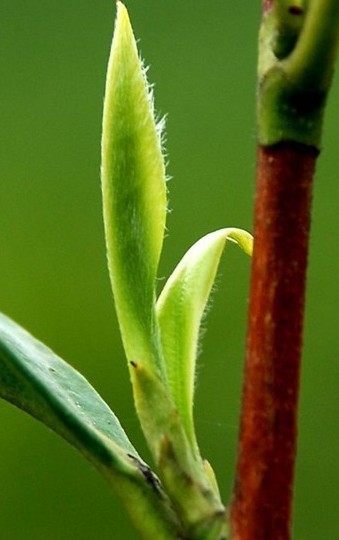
203	328
160	122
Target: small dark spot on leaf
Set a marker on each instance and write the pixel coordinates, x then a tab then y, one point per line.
147	473
295	10
133	364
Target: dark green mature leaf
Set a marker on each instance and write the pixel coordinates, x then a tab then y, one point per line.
35	379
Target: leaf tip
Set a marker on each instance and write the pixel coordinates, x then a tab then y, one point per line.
122	14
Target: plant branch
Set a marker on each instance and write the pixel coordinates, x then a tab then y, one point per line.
295	71
262	501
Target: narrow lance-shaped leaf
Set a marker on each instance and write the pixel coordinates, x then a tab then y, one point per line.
134	194
180	308
37	381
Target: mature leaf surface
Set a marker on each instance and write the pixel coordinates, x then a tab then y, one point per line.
35	379
180	308
134	194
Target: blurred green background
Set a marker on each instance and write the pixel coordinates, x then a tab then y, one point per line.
53	277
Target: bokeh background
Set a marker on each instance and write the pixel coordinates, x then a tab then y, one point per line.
53	277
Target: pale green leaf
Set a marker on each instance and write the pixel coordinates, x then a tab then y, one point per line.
183	473
180	308
134	194
36	380
134	197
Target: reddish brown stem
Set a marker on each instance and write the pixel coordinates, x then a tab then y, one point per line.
262	499
267	5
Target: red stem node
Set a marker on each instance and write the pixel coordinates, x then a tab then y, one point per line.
262	499
267	5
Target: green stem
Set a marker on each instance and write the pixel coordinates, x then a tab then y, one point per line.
311	62
296	62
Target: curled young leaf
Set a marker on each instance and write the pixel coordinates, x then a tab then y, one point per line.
180	308
134	194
